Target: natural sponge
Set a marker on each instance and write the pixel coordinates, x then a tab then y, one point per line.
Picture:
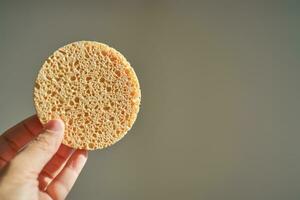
93	89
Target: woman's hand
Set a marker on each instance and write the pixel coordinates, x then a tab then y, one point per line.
34	164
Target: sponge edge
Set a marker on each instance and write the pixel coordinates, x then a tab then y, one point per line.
93	89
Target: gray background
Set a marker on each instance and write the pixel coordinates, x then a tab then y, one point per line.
220	93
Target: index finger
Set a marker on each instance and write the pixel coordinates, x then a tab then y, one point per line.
15	138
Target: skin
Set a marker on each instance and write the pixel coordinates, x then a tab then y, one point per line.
34	164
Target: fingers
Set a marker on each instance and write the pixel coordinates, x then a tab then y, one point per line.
54	166
36	155
62	184
17	137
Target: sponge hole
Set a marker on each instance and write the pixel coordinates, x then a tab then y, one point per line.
106	108
37	86
91	145
73	78
118	73
112	58
88	78
127	71
76	63
76	99
132	93
71	103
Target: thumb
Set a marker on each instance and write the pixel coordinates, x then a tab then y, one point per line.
36	155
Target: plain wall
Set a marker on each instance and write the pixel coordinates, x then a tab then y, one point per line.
220	84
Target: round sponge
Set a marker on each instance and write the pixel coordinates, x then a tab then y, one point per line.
93	89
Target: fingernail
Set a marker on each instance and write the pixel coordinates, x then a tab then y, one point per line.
84	152
56	125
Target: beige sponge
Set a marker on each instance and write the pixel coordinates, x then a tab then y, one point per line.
93	89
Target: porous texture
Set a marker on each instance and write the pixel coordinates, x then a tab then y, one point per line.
93	89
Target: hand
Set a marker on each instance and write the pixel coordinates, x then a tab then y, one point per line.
43	169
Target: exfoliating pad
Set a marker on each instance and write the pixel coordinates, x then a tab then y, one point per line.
93	89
